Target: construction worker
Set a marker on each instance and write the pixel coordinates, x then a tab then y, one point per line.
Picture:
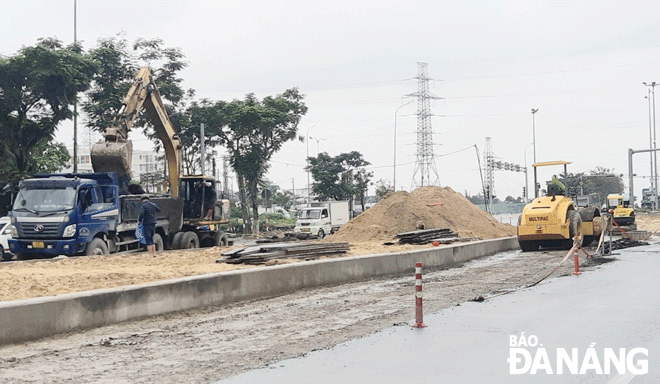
147	217
556	187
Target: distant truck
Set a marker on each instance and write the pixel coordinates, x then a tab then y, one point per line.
322	218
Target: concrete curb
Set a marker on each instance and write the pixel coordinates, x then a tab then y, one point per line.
30	319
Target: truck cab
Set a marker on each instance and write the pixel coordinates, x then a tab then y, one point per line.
54	215
322	218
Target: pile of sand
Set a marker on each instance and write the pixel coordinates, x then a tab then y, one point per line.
432	207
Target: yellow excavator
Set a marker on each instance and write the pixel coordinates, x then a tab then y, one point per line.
202	212
554	220
114	152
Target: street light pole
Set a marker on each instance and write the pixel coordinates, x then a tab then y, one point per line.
395	112
75	102
536	190
318	139
648	96
655	153
526	182
309	190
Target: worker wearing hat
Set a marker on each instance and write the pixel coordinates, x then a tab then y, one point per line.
147	217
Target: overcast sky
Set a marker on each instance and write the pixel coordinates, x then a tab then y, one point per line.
581	63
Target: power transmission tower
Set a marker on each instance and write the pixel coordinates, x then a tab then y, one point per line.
491	166
425	171
90	137
490	172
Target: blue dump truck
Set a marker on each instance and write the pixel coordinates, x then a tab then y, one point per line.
84	214
95	213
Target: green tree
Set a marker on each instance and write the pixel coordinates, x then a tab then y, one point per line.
601	181
118	65
252	130
38	87
283	198
50	156
383	189
341	177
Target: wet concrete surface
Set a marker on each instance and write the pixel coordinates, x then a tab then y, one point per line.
611	306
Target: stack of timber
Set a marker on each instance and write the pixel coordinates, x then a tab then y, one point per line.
260	254
425	236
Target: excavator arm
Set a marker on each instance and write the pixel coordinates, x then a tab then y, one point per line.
114	152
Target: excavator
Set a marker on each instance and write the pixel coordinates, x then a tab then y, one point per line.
113	153
96	213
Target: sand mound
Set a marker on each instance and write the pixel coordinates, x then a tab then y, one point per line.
403	211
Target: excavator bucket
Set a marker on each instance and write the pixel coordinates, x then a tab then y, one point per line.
109	156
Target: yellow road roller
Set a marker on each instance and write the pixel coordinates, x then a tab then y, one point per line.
553	220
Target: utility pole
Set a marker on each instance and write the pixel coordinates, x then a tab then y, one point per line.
309	188
225	175
648	96
201	146
395	112
75	102
654	147
536	189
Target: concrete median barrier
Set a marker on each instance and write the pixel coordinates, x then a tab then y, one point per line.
30	319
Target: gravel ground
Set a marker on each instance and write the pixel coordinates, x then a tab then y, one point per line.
207	345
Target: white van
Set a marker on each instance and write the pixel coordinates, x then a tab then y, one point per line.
5	234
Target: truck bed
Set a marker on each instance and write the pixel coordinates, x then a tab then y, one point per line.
171	210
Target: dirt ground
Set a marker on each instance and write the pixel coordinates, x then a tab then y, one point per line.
433	207
647	222
207	345
36	278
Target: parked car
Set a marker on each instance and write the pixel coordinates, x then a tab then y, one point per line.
5	234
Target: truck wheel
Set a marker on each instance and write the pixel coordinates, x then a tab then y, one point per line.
176	240
158	242
190	241
321	234
97	247
221	240
6	256
528	246
574	227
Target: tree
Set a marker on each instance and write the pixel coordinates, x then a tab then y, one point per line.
362	183
118	65
50	156
383	189
284	199
38	87
601	181
252	130
341	177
